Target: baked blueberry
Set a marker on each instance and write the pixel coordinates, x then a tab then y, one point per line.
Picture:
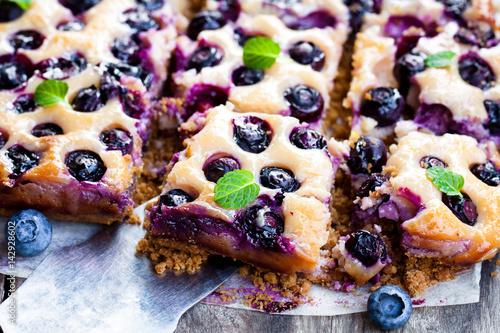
435	117
62	68
151	4
46	129
26	39
217	168
85	165
252	134
397	25
368	155
205	20
262	226
306	138
475	71
22	159
25	103
3	139
278	179
431	161
127	50
117	70
71	26
139	19
80	6
493	123
463	208
366	247
230	9
33	232
244	76
406	44
205	56
174	198
487	173
307	53
358	8
406	66
383	104
317	19
389	307
241	37
88	100
117	139
12	75
478	33
370	184
306	103
203	97
455	8
9	11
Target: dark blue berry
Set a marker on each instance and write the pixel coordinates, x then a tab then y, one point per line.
33	232
358	8
431	161
262	226
151	4
217	168
366	247
88	100
3	139
71	26
127	50
230	9
306	103
406	44
26	39
487	173
435	117
80	6
307	53
279	179
389	307
9	11
205	56
203	97
463	208
306	138
117	139
205	20
47	129
12	75
455	8
370	184
252	134
368	155
478	33
62	68
493	123
25	103
174	198
244	76
475	71
85	165
241	37
139	19
385	105
406	66
117	70
22	159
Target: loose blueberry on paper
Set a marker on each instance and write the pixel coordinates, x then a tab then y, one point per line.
389	307
33	232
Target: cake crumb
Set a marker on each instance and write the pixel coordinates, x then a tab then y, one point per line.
494	273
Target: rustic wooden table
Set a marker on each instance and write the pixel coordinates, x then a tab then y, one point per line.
479	317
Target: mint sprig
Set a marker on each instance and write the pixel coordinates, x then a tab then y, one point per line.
24	4
440	59
446	180
51	92
236	189
260	52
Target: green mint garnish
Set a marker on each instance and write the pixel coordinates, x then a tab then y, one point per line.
51	92
440	59
260	53
446	180
236	189
24	4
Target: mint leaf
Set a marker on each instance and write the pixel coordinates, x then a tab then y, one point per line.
260	53
236	189
440	59
24	4
446	180
51	92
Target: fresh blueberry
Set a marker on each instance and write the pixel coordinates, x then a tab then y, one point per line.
22	159
487	173
71	26
88	100
33	232
306	103
493	123
385	105
475	71
366	247
175	198
151	4
117	139
406	66
307	53
455	8
244	76
9	11
25	103
278	179
62	68
230	9
127	50
205	56
252	134
3	139
80	6
306	138
85	165
370	184
217	168
262	226
203	97
205	20
389	307
368	155
139	19
12	75
431	161
435	117
47	129
478	33
463	208
26	39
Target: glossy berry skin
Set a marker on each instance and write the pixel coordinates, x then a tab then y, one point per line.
205	20
306	103
431	161
385	105
307	53
477	33
493	110
262	226
487	173
117	139
230	9
9	11
117	70
217	168
463	208
279	179
475	71
368	155
252	134
88	100
306	138
366	247
389	307
370	184
85	165
174	198
12	75
33	232
22	160
47	129
71	26
62	68
205	56
139	19
80	6
127	50
151	4
3	139
408	65
25	103
26	39
244	76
